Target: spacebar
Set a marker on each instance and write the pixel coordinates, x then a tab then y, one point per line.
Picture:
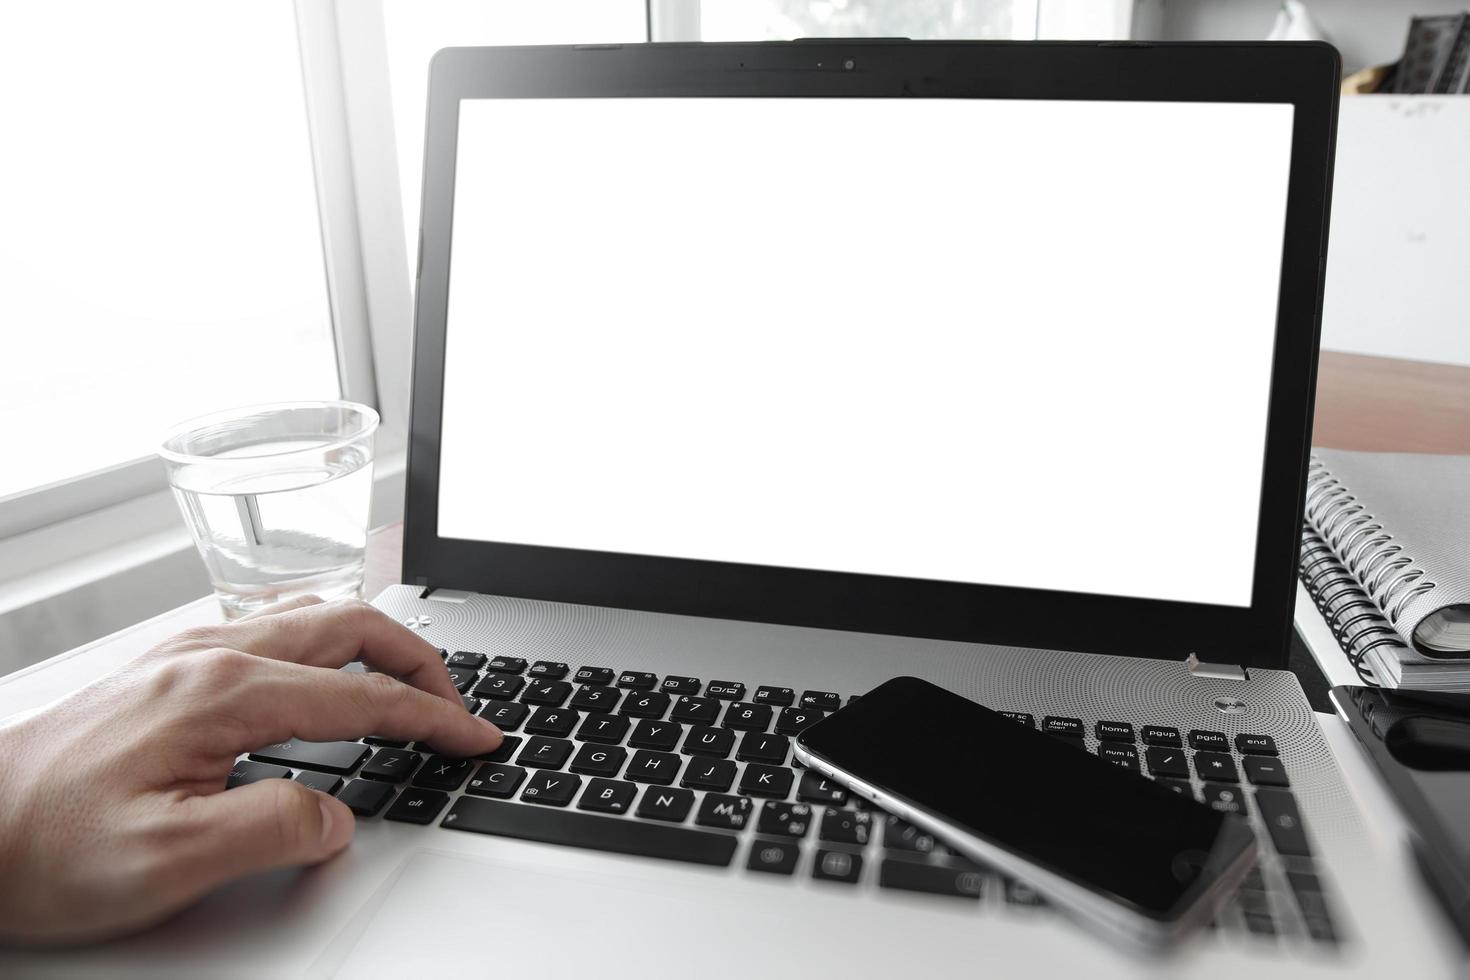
580	830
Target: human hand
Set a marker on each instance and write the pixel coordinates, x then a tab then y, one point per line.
113	813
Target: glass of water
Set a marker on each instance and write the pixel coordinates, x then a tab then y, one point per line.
277	498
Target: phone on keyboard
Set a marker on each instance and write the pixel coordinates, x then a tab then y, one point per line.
1126	856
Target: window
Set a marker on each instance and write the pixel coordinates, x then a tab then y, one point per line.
762	20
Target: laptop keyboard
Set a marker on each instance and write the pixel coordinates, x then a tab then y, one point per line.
684	770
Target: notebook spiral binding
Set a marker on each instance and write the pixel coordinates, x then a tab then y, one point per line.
1357	576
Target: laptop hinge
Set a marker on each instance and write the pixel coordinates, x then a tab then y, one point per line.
445	595
1224	672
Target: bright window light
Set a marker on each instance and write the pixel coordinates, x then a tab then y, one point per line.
783	20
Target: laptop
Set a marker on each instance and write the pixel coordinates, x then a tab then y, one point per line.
748	376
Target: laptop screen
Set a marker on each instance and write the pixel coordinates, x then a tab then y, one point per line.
1006	342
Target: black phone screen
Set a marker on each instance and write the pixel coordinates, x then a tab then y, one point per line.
1028	793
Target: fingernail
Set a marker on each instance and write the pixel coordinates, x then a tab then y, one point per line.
328	817
337	826
499	735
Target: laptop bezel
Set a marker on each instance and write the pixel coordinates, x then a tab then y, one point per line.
1302	74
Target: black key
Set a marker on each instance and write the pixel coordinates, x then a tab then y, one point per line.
649	705
1020	893
1320	929
494	779
508	665
590	698
662	736
681	685
499	687
465	658
322	782
545	753
900	835
1113	731
392	743
1167	762
599	760
585	830
820	700
725	812
1216	767
1226	799
1162	735
1071	727
792	720
1255	744
653	767
846	826
462	678
1283	821
961	882
338	757
1265	771
551	670
837	866
1020	717
1303	881
391	765
364	797
1122	756
1259	923
747	717
607	729
551	693
672	805
784	819
695	710
506	749
781	697
1208	741
774	856
637	680
760	747
772	781
703	740
711	774
551	788
507	715
1076	741
600	676
245	772
607	796
815	788
416	805
1178	786
552	721
442	772
471	705
725	690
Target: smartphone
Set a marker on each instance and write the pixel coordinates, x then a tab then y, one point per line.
1118	851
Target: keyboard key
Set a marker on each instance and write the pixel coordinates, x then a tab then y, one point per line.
1283	821
792	720
599	760
392	743
391	765
695	710
551	693
1216	767
1259	923
662	736
506	749
551	788
594	675
586	830
507	715
607	796
1226	799
322	782
771	781
244	772
1020	717
338	757
1208	741
784	819
1255	744
781	697
1071	727
462	678
715	742
545	753
650	705
815	788
1113	731
1122	756
416	805
1075	741
1162	735
471	705
1022	894
364	797
552	721
591	698
837	866
820	700
637	680
1167	762
773	856
1265	771
725	812
761	747
494	779
672	805
465	658
748	717
1180	787
499	687
710	774
442	772
900	835
653	767
681	685
846	826
725	690
508	665
607	729
961	882
551	670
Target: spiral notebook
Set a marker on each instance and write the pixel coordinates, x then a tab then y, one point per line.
1386	558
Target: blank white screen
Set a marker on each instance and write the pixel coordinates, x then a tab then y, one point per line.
1008	342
